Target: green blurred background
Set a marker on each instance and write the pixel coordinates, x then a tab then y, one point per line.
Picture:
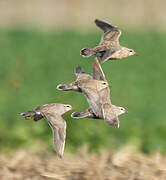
35	59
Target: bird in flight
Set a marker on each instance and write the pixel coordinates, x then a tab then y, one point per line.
53	114
97	92
109	47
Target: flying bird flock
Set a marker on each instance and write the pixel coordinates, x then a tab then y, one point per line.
95	87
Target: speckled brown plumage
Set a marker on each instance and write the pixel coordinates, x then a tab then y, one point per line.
97	92
109	47
53	114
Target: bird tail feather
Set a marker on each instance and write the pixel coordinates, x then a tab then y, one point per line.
67	87
87	52
28	114
32	114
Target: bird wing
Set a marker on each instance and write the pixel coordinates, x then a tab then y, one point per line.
44	107
94	100
107	55
58	126
111	33
109	115
98	74
80	74
97	71
105	95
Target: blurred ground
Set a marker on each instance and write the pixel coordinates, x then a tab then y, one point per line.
122	165
81	14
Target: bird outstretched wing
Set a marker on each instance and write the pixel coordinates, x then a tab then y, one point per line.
97	71
94	100
98	74
111	33
109	115
58	126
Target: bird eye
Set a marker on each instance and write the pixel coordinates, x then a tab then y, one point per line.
131	50
67	106
104	83
121	109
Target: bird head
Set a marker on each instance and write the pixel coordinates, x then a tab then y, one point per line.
122	110
125	52
131	52
101	85
67	107
119	110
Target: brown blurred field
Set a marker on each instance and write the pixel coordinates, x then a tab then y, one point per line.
122	165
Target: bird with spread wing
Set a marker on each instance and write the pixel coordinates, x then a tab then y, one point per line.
97	92
53	114
109	47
